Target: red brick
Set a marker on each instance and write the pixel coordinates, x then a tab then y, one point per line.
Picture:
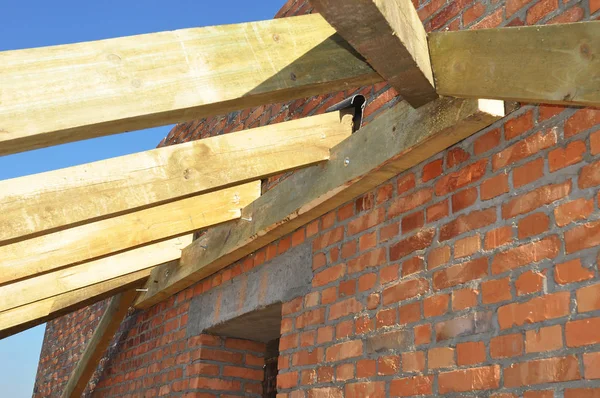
422	334
524	148
367	389
384	193
440	357
436	305
540	9
470	353
582	332
498	237
545	339
533	224
367	241
345	350
437	211
388	317
571	271
519	125
595	137
578	209
438	257
347	288
588	298
216	384
409	386
589	175
528	173
325	392
494	186
310	318
546	111
539	309
582	120
563	157
344	308
366	221
594	6
509	345
414	221
535	199
373	258
409	202
470	324
591	363
432	170
456	156
464	298
365	202
329	275
405	290
582	237
582	392
467	246
541	371
495	291
528	253
463	199
467	222
486	142
529	282
413	361
389	231
348	249
328	238
474	379
473	13
405	183
388	365
243	373
410	313
451	182
419	241
409	267
460	273
365	368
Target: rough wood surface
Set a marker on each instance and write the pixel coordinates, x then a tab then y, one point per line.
390	35
557	64
59	282
392	143
90	358
53	95
22	318
28	258
55	200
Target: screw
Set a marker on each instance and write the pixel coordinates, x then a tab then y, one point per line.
346	161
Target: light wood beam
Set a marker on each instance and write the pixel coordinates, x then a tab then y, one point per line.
66	280
55	200
114	314
59	94
22	318
557	64
390	35
395	141
26	259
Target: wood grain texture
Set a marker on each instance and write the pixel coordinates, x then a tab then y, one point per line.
90	358
66	280
56	200
59	94
558	64
395	141
391	37
26	259
25	317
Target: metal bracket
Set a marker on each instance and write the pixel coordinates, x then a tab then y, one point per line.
358	102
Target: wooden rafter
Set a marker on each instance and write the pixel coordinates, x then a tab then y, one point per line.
66	280
28	258
54	95
27	316
390	35
549	64
396	141
55	200
109	324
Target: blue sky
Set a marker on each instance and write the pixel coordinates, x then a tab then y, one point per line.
36	23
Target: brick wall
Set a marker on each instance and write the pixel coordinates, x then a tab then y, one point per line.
474	273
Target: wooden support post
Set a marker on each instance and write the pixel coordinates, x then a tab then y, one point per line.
48	202
395	141
54	95
91	273
391	37
29	258
22	318
558	64
109	324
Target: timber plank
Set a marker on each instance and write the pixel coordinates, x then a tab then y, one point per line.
557	64
396	141
87	242
48	202
132	83
66	280
391	37
114	314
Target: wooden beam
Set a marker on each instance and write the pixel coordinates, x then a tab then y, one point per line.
557	64
131	83
26	259
55	200
395	141
22	318
390	35
114	314
59	282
